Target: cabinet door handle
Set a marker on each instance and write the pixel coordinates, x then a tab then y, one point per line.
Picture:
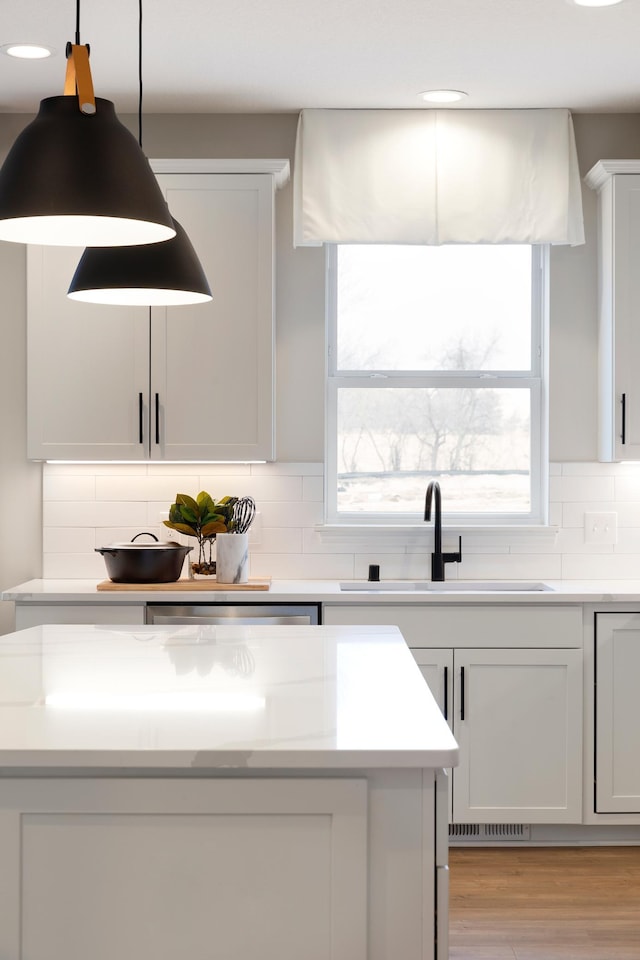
157	418
446	693
623	435
140	418
462	693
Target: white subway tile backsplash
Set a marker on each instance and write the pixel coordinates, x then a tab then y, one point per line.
61	513
143	488
89	505
302	566
260	488
73	566
628	488
313	488
581	488
291	514
628	540
68	539
612	566
68	488
511	567
287	469
597	469
555	514
279	540
394	566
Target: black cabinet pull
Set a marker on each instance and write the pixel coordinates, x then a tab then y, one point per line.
157	418
446	693
623	435
462	693
140	418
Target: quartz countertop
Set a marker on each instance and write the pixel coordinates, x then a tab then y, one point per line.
200	698
325	591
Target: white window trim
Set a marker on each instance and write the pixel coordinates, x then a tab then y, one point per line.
536	522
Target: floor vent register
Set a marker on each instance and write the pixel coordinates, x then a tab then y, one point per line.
484	832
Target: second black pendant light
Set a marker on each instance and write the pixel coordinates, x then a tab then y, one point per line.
155	274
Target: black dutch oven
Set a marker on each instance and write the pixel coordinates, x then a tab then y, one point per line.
144	562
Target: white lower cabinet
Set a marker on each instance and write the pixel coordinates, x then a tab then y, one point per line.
35	614
617	713
347	866
106	868
516	711
517	717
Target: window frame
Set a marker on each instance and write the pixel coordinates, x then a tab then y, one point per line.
535	380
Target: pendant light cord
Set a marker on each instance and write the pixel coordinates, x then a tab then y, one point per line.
139	72
78	23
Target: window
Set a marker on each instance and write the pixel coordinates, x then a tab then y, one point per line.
436	361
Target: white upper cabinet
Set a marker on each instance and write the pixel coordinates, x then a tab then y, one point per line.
618	186
177	383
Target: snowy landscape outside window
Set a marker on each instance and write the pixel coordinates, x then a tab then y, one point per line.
436	362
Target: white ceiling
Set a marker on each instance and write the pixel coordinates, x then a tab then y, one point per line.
264	56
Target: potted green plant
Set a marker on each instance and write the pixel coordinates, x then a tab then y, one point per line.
202	518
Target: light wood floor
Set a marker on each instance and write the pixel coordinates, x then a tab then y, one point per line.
567	903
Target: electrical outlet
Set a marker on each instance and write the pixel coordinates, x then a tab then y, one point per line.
601	528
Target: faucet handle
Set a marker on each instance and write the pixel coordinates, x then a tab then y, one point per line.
454	557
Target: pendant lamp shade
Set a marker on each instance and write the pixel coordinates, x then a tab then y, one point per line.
156	274
72	179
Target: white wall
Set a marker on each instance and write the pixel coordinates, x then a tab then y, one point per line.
20	481
300	319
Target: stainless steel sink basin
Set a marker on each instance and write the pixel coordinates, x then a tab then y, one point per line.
448	586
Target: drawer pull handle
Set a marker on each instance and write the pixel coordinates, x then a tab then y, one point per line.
446	693
462	693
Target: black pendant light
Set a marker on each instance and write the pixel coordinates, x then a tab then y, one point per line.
76	176
156	274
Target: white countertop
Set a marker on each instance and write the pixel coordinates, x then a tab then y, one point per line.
205	697
323	591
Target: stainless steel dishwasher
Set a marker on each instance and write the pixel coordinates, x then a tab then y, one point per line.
274	614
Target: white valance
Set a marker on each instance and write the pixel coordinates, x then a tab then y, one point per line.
436	176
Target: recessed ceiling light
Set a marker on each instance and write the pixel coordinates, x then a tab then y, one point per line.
26	51
596	3
443	96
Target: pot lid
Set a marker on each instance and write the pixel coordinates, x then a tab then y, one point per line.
167	545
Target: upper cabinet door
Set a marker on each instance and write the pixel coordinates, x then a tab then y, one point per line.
182	383
88	368
619	307
212	391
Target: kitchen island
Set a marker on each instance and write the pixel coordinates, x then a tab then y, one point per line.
220	792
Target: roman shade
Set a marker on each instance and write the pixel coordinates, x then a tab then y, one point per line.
436	176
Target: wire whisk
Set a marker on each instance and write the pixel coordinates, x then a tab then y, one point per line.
244	512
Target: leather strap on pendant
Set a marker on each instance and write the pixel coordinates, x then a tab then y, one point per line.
78	77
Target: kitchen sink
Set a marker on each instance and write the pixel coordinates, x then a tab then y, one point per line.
447	586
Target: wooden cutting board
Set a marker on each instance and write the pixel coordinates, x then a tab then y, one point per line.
187	585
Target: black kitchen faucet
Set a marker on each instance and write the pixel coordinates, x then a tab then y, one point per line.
438	558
